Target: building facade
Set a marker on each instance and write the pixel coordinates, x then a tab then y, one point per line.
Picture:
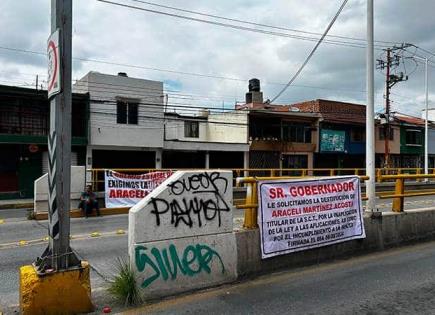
126	121
207	140
341	133
279	136
24	126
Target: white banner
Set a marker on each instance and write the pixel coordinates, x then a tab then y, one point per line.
296	215
126	190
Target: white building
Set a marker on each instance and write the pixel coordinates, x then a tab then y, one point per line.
129	129
125	119
210	140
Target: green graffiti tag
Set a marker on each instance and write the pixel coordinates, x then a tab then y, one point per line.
167	264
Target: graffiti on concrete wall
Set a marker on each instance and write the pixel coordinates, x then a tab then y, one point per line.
168	263
196	199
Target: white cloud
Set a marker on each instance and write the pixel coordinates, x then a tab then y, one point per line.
116	34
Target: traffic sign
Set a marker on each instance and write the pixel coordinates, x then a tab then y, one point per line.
53	54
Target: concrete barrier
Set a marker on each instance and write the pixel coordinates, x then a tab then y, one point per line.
41	189
181	235
390	230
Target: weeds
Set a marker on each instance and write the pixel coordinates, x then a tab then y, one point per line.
124	287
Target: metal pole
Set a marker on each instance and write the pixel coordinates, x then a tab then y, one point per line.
426	156
58	255
370	122
387	113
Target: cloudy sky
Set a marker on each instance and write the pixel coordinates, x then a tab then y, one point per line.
178	49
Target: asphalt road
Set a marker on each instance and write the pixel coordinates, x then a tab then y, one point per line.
399	281
101	251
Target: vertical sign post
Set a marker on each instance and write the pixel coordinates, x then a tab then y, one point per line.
58	255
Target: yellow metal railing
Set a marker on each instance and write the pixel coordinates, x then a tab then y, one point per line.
97	174
399	189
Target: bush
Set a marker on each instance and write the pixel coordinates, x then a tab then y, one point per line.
124	287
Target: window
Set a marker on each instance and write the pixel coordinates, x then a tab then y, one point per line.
357	135
382	133
126	113
413	137
297	133
191	129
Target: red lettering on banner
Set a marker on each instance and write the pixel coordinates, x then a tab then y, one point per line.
276	193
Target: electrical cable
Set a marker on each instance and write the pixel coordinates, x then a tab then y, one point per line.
311	53
253	23
243	28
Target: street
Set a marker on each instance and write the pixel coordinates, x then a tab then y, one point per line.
101	240
397	281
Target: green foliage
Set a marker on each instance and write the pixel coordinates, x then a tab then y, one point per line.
124	287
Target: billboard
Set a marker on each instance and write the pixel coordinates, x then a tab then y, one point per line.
332	140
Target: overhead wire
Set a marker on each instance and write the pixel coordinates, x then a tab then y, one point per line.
312	51
256	24
243	28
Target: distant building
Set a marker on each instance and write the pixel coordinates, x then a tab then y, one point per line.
208	140
341	133
130	128
24	127
126	121
280	136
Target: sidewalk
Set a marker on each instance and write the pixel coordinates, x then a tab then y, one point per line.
16	204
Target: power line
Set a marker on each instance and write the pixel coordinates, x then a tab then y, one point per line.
312	51
171	71
238	27
255	24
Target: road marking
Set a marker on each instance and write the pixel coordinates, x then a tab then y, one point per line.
120	231
1	222
38	241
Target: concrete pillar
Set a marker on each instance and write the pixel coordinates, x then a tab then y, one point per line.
159	158
88	165
207	159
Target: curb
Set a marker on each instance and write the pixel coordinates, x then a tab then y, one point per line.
28	205
77	213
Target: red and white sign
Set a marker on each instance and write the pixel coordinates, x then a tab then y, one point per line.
53	53
126	190
296	215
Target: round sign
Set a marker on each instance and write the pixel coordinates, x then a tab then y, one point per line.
33	148
53	59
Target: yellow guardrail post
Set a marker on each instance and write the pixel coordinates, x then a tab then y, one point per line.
254	223
304	173
378	174
331	172
418	173
398	202
248	216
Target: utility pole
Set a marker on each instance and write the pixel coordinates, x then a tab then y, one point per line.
370	113
390	81
387	114
59	255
